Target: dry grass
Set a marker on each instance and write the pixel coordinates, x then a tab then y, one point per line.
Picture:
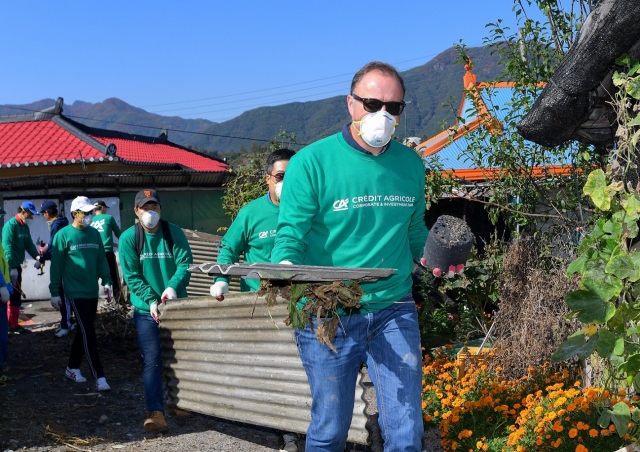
530	325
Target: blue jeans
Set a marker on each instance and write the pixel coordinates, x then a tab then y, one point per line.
389	342
149	344
4	332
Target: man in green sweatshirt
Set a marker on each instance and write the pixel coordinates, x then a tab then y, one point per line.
106	225
16	239
356	199
77	261
155	258
253	232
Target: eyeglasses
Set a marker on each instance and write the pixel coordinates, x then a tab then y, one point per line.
373	105
278	176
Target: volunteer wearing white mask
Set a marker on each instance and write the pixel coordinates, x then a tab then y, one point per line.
253	232
16	239
77	262
356	199
155	258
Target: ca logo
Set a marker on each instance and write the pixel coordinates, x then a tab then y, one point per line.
263	234
341	204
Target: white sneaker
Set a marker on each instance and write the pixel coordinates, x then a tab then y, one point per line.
102	385
62	332
75	375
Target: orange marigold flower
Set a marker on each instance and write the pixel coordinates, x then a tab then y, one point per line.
557	443
593	433
581	448
604	432
573	433
557	427
571	407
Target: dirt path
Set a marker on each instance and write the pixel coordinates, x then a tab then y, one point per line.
42	410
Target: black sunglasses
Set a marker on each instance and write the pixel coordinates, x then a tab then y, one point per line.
278	176
373	105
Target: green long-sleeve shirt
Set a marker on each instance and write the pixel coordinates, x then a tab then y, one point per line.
77	257
16	239
253	233
343	208
156	268
106	225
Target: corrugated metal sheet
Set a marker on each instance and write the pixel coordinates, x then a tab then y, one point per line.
237	360
204	248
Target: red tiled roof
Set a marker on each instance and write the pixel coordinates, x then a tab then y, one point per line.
132	151
43	142
35	142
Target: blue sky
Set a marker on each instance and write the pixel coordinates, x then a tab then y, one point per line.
213	59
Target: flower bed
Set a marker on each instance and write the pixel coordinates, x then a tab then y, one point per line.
542	411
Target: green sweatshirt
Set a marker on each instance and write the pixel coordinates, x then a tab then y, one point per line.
77	256
16	239
343	208
253	233
156	268
106	226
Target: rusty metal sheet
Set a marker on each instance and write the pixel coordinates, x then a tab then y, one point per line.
306	273
237	360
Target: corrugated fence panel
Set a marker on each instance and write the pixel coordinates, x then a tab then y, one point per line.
237	360
204	248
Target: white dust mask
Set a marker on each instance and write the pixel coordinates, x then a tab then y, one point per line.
150	219
86	221
278	189
376	128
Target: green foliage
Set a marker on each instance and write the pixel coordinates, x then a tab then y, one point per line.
609	266
475	293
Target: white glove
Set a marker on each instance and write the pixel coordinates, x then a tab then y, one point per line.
219	289
108	292
153	310
56	302
285	263
4	294
13	275
168	294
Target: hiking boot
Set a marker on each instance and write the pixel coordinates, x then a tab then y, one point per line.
289	442
102	385
75	375
61	332
155	422
181	413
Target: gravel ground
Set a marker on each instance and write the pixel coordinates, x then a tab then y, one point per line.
43	411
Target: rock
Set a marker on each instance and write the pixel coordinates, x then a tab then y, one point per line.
104	418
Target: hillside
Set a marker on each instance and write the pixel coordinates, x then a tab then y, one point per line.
428	87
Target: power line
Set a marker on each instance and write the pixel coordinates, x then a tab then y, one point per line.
155	127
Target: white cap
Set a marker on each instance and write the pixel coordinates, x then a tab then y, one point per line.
82	203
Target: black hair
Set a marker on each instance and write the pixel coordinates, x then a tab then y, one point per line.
385	68
51	212
276	156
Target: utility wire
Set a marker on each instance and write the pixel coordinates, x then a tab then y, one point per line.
155	127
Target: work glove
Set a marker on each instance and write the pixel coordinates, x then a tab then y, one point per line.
219	289
108	291
153	310
13	275
168	294
4	295
56	302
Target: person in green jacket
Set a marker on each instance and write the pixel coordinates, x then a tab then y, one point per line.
16	239
5	294
253	232
77	261
356	199
155	272
107	227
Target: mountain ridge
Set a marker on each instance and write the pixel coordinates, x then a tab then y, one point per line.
428	87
